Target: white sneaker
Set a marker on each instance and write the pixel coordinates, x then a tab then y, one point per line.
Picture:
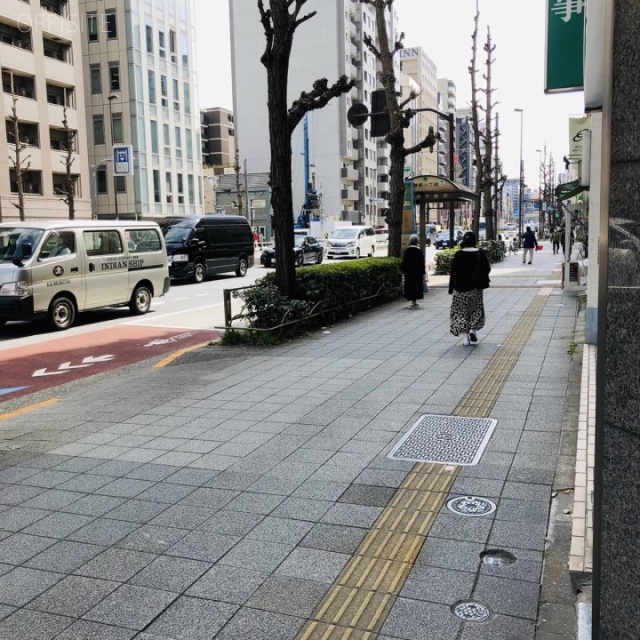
465	341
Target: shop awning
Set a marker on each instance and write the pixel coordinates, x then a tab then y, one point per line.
440	189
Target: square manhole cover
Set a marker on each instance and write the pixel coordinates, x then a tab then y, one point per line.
445	440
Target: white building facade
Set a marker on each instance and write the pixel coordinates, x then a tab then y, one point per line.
343	160
140	77
41	56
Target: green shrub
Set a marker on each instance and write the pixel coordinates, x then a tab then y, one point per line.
443	261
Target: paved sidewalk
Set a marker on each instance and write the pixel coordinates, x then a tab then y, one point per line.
247	493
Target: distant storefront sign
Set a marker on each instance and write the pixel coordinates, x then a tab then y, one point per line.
564	70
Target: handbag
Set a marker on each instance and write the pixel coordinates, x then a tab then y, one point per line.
425	286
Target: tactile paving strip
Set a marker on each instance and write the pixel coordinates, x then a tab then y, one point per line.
445	440
357	605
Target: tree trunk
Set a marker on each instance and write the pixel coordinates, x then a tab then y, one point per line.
396	200
280	169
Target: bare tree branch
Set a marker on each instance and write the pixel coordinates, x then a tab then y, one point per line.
320	95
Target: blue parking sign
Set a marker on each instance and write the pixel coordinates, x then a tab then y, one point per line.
123	160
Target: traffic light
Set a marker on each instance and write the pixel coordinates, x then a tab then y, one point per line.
380	124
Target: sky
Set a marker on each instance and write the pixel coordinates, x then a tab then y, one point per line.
443	29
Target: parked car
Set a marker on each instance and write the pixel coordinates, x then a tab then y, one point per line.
200	246
443	239
352	242
382	235
307	249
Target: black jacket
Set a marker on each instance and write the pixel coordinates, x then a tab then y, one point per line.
529	240
462	269
414	269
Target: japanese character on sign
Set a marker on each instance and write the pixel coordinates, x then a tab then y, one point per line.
566	9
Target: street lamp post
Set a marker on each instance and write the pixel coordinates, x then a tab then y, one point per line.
521	188
111	98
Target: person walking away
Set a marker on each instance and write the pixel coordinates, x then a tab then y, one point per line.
555	239
529	244
415	272
469	277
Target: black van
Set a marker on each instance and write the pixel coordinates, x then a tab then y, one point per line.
199	246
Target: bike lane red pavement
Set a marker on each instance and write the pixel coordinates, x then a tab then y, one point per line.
48	364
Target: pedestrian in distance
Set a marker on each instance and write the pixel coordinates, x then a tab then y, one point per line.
469	277
415	272
529	244
555	239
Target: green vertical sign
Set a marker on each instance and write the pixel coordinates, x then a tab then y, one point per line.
565	45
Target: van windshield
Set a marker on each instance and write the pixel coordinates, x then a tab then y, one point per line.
12	240
177	234
345	233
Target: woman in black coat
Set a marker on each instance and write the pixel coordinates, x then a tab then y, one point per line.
469	277
414	269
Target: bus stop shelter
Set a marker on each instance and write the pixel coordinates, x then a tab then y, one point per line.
428	189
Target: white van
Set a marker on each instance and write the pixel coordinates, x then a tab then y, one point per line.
351	242
55	269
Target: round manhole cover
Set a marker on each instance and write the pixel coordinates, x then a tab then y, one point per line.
497	557
471	506
471	611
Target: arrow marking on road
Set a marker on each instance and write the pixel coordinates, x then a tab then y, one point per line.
4	392
67	366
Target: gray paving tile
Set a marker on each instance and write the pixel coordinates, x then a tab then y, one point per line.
140	511
522	511
518	535
16	474
73	596
302	509
368	495
166	492
283	530
313	564
53	499
466	486
58	525
334	537
47	479
22	585
415	619
131	607
5	611
17	518
152	472
17	494
528	492
433	584
255	502
184	516
84	630
456	527
94	505
353	515
170	574
152	539
103	531
288	595
19	547
79	465
232	480
502	628
85	483
193	477
509	597
253	624
276	485
115	468
192	619
33	625
65	556
227	584
235	523
116	564
125	487
209	498
203	545
321	489
450	554
45	461
260	555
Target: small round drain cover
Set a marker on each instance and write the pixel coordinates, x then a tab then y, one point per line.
470	611
497	557
471	506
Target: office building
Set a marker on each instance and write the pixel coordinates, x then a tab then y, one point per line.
41	56
140	76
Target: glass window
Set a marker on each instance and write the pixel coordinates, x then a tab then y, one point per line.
98	130
178	142
172	41
101	181
143	240
163	86
112	28
116	124
114	76
189	138
187	98
166	135
156	186
121	184
167	180
161	44
152	86
154	137
92	27
176	90
102	243
149	33
96	81
180	189
62	243
191	188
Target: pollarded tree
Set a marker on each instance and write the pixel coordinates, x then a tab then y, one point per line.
20	163
399	120
280	22
68	160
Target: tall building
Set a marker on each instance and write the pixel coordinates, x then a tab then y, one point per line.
218	138
343	160
446	104
139	65
415	62
465	149
40	53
